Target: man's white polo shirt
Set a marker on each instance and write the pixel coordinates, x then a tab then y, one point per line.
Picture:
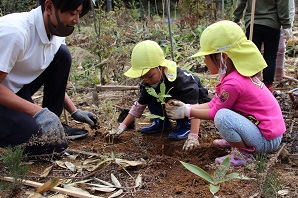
25	50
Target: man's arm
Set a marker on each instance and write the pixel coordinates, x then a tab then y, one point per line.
78	114
238	12
68	104
11	100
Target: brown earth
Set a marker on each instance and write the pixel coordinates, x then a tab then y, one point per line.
162	174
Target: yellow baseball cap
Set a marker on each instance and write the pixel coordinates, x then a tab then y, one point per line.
227	36
147	55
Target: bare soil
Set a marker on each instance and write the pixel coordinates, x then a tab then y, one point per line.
162	174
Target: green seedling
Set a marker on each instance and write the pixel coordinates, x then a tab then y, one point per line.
220	175
12	160
161	97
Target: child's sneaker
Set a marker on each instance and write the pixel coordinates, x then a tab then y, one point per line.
238	157
221	143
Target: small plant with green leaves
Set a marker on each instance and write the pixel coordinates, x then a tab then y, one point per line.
12	160
161	97
267	179
220	175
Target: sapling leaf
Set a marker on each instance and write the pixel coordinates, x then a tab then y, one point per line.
151	91
222	180
167	96
152	116
238	176
220	173
162	88
214	189
226	162
234	176
198	171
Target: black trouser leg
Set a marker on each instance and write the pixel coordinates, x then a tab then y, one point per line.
270	38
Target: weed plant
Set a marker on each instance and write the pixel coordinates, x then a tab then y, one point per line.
267	179
12	160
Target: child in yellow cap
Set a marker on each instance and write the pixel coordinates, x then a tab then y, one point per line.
149	64
244	111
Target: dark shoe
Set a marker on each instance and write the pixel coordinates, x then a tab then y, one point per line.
74	133
181	131
156	126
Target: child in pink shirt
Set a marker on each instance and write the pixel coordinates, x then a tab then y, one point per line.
244	111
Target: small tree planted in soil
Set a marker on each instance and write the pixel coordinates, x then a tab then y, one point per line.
218	177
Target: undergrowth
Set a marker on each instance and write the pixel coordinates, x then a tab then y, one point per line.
12	160
267	178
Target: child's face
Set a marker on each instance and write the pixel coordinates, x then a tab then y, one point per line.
213	68
152	76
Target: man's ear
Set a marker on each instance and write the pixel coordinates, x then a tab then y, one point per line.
48	7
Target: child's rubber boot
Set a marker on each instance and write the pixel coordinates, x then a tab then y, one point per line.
181	131
157	125
238	156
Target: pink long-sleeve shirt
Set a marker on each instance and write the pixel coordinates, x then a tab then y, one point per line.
249	97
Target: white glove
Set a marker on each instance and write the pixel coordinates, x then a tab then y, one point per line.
287	33
191	143
176	109
116	133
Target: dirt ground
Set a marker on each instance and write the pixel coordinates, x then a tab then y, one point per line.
161	171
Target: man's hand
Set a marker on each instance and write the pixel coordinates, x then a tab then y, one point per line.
84	116
49	125
191	143
287	33
117	132
176	109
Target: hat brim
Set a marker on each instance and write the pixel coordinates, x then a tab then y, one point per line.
136	73
171	74
201	53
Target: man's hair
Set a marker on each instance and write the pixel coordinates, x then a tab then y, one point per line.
69	5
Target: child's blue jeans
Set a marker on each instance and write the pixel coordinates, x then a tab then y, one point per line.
234	127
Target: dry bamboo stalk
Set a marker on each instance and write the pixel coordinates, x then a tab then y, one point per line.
115	88
252	18
291	78
55	189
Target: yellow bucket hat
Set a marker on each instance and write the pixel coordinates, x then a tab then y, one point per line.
227	36
147	55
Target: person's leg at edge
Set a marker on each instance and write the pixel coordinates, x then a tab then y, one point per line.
280	59
271	44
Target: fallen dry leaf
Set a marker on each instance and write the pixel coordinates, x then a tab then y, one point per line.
126	163
48	185
103	189
60	163
138	180
115	180
70	166
116	194
46	171
104	182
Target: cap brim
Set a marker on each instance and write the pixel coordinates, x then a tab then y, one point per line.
133	73
200	53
